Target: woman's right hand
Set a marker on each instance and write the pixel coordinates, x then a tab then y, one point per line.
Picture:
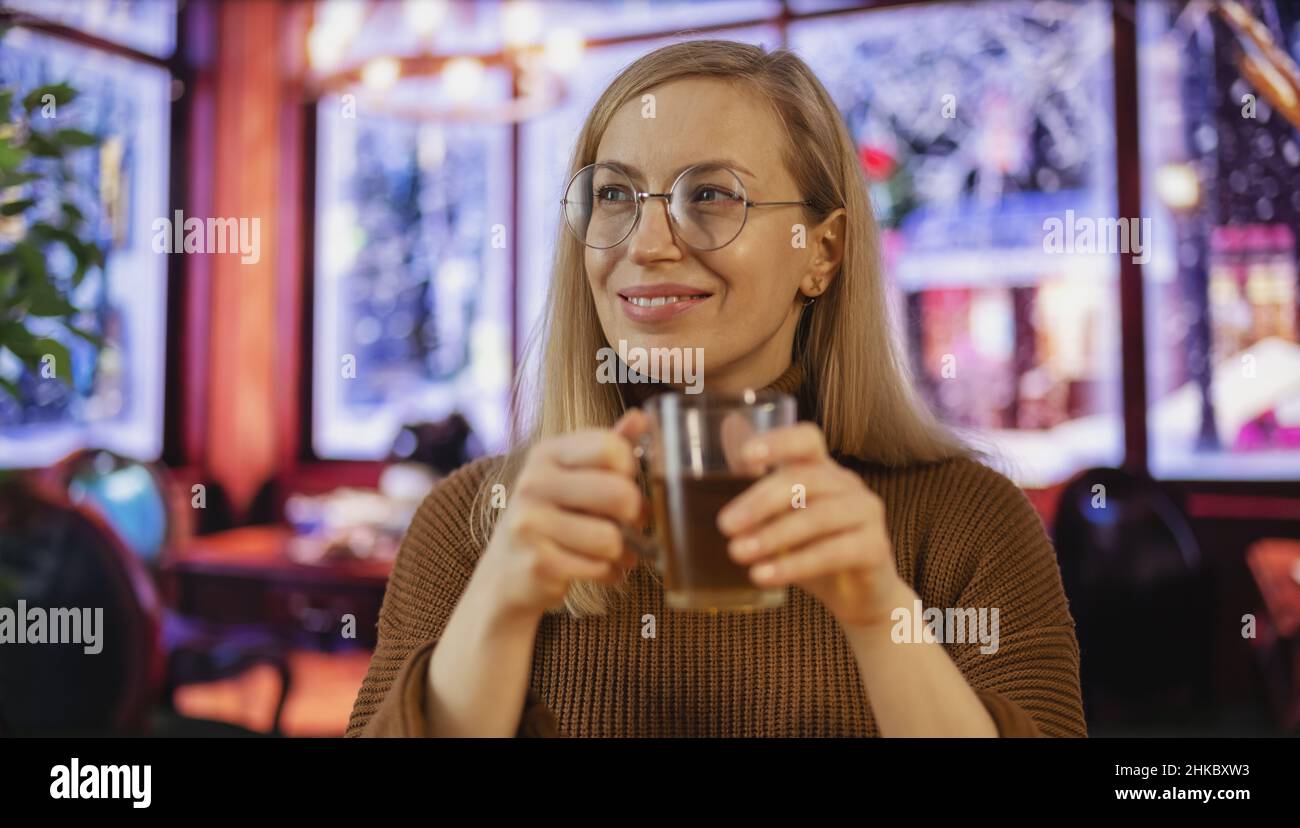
563	518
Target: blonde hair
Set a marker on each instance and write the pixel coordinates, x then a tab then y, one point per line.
859	385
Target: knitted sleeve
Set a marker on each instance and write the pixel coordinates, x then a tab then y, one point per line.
1027	674
433	567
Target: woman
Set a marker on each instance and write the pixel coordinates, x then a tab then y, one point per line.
514	606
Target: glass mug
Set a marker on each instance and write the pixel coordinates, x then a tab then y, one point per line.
691	467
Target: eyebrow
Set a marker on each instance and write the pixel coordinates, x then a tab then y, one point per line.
721	162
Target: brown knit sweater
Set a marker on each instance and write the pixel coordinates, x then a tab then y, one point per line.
963	536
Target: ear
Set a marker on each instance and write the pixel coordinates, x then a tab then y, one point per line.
827	254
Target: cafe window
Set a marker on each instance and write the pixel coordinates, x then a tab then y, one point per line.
987	134
115	397
412	290
1221	181
982	128
415	235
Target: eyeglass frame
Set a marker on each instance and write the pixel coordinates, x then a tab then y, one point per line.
640	198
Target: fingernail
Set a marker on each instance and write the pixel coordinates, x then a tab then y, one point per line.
756	450
744	547
728	520
764	572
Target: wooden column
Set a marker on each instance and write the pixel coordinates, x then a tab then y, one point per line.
242	394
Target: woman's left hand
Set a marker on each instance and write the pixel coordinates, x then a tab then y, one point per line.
828	538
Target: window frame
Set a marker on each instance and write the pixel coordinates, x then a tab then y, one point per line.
179	441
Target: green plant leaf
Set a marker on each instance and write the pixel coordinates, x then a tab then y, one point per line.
42	147
32	350
16	337
12	178
87	254
74	138
93	339
48	232
42	296
31	261
10	156
61	91
11	389
71	212
8	282
62	360
79	273
44	299
13	208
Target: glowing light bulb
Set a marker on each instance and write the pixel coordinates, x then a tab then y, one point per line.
521	22
345	15
1178	186
424	16
381	73
462	78
564	48
336	23
324	48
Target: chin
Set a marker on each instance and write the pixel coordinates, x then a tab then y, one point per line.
664	339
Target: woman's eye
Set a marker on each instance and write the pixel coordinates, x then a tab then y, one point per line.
714	194
607	194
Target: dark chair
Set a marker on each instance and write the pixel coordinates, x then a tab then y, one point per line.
55	555
217	514
133	498
1142	602
443	446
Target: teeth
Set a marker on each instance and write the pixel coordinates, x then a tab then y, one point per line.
647	302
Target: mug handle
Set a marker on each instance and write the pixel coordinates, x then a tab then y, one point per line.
642	540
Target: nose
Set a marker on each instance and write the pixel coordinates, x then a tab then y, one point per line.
652	239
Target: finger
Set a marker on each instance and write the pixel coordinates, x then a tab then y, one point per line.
557	563
595	492
775	494
801	442
597	447
632	425
838	553
735	431
797	528
591	536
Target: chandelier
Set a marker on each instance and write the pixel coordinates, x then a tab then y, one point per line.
372	50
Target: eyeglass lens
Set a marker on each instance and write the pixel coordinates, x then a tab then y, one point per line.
707	205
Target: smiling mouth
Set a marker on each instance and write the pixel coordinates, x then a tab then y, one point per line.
655	301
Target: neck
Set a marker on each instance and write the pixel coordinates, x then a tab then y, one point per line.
789	380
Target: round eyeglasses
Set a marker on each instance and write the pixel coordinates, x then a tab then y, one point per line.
707	204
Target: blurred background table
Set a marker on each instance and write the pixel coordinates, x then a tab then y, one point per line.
249	575
1275	564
